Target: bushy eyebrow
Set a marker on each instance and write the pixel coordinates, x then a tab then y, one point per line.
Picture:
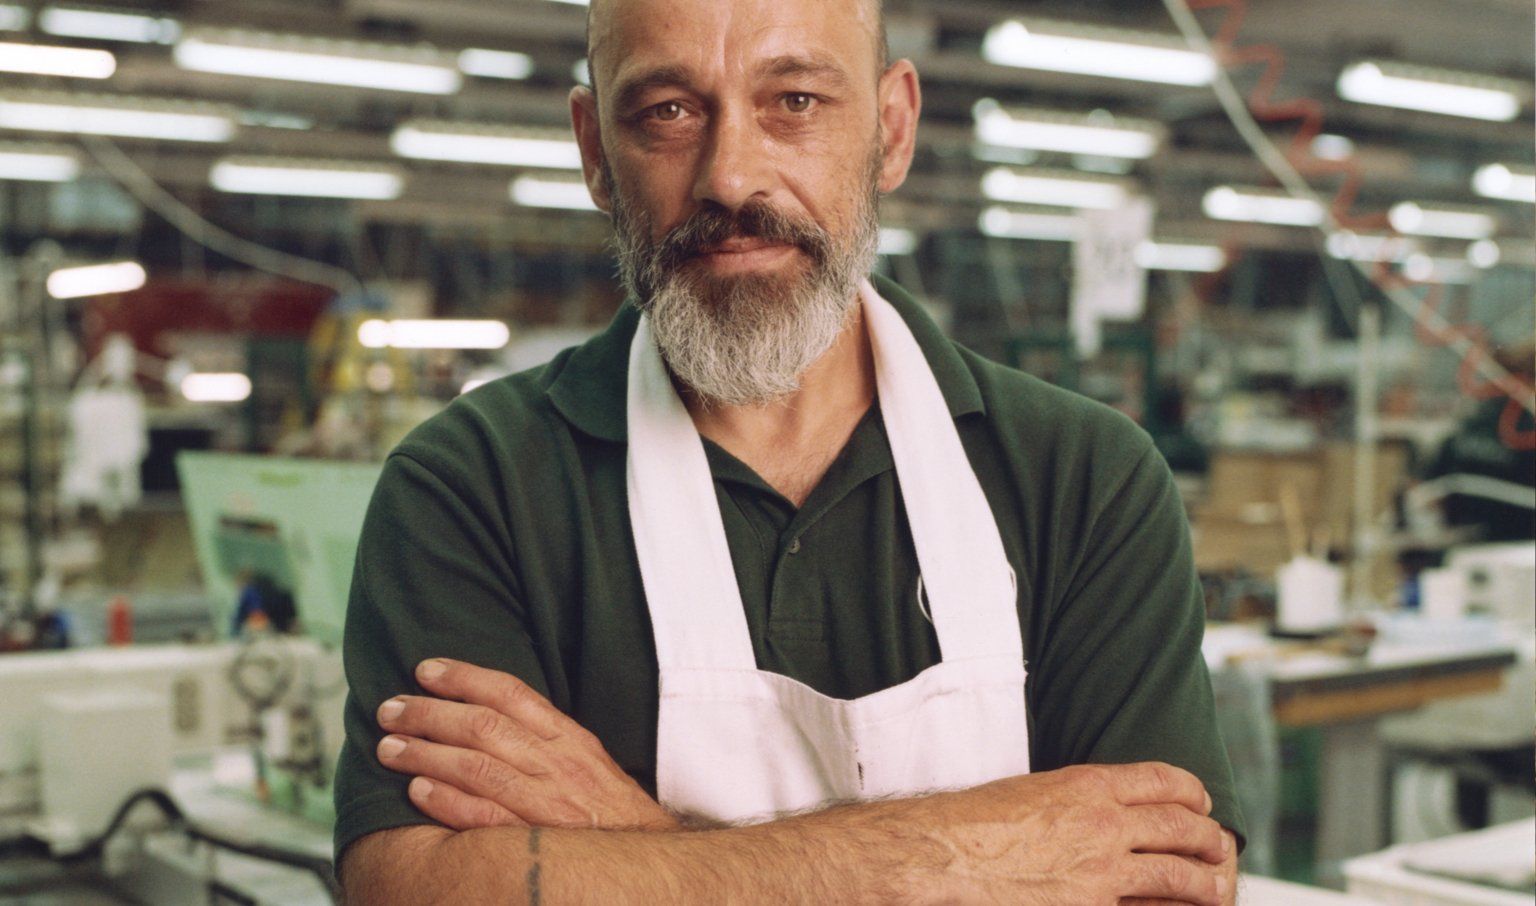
630	91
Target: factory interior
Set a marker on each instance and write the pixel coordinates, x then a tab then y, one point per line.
248	248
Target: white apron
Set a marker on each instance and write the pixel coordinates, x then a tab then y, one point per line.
738	744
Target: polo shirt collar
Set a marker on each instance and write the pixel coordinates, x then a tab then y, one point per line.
589	387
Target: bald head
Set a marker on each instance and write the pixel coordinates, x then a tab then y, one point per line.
600	14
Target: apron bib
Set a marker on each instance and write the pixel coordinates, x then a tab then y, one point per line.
737	744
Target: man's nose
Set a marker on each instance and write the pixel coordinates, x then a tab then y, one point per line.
735	164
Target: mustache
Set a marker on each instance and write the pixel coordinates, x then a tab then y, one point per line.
714	224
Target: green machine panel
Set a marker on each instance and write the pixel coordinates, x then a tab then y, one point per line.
294	522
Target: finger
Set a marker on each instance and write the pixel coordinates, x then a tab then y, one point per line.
1152	783
1174	878
476	774
494	689
465	726
456	808
1176	830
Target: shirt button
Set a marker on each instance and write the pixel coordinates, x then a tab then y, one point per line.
794	546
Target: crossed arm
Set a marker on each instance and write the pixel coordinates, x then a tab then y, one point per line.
535	811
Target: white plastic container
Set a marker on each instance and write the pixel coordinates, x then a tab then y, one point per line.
1509	849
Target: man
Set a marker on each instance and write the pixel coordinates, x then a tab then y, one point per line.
734	603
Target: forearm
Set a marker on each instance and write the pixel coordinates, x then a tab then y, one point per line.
869	853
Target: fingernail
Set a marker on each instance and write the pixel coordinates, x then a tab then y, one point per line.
431	670
1208	804
421	788
390	710
391	746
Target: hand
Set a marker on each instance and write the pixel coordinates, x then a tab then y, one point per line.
489	751
1095	835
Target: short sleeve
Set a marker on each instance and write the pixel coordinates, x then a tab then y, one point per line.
1121	677
434	577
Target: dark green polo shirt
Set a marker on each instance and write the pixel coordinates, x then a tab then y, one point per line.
499	535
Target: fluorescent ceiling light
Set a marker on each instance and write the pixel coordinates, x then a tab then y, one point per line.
495	64
1506	182
1084	50
897	241
96	280
117	115
437	334
1450	223
574	2
1262	206
552	192
1484	254
308	179
1002	223
1047	187
1424	269
1348	246
1432	90
38	163
582	72
301	59
70	62
216	388
1173	256
108	26
1327	146
552	148
13	17
1042	130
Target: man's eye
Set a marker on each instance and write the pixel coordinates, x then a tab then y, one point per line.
798	103
669	112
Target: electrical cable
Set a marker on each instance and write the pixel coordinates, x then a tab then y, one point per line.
1468	341
194	226
314	865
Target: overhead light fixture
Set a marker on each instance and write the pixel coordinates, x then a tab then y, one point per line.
897	241
1506	182
306	178
1099	134
1446	222
1424	269
1003	223
434	334
1330	147
495	64
13	17
1370	249
96	280
552	192
1484	254
387	67
69	62
1053	187
1407	87
582	72
117	115
103	25
574	2
1262	206
1176	256
38	163
474	144
1087	50
209	387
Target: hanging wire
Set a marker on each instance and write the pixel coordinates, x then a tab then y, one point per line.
194	226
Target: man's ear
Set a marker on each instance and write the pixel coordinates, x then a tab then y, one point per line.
901	103
589	138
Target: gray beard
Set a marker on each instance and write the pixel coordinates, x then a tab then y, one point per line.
745	341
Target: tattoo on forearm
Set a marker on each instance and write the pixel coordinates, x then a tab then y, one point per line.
535	894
